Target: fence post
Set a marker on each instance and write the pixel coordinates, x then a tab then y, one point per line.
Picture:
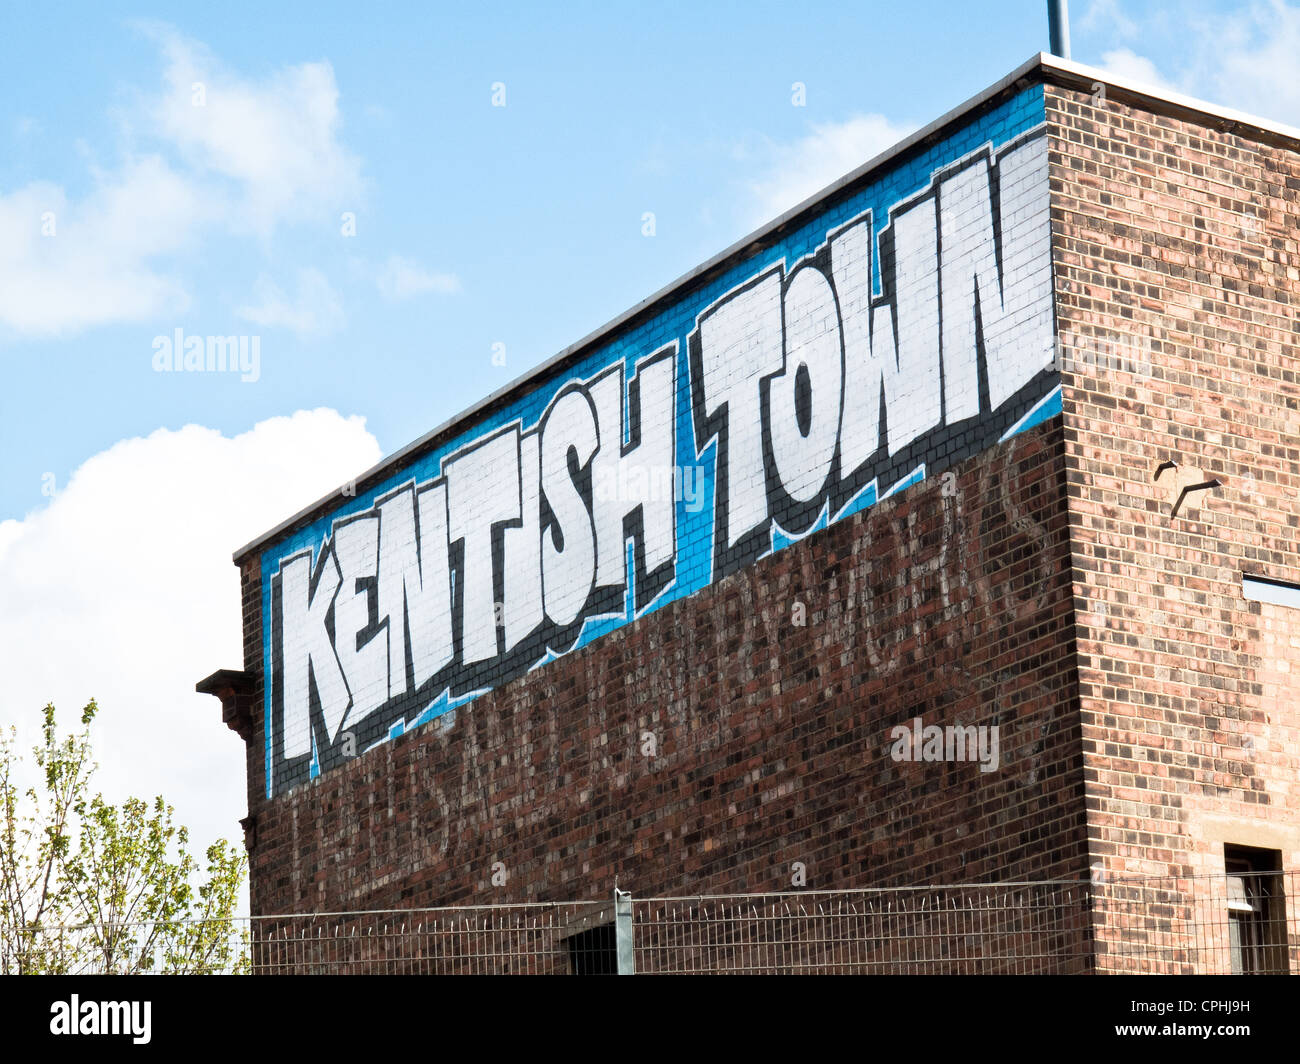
623	932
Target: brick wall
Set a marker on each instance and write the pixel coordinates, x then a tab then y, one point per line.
771	738
1147	710
1176	245
893	328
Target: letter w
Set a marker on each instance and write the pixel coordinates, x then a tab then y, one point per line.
907	368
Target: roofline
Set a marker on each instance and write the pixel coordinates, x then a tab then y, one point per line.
1041	68
1069	74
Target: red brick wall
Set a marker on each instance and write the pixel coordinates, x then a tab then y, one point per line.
1182	238
949	601
1148	712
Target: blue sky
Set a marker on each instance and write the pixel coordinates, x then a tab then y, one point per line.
533	209
123	490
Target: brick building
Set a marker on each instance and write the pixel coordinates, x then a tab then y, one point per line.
1000	433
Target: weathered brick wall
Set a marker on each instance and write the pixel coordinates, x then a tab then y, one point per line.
949	601
1176	268
1148	712
889	330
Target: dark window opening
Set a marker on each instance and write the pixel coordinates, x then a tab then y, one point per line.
593	952
1256	911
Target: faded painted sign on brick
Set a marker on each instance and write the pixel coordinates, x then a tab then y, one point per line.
904	325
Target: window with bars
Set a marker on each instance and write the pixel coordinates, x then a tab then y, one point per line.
1256	911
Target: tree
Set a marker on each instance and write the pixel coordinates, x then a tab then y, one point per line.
87	886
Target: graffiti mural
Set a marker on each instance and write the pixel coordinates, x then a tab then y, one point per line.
902	330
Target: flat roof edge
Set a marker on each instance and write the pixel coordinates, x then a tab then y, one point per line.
1070	74
1039	68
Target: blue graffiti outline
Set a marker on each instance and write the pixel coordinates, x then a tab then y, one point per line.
995	128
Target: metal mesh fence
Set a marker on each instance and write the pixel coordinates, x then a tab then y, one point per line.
540	939
1017	928
1243	924
1238	924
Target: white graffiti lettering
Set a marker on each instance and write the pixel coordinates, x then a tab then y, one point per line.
881	356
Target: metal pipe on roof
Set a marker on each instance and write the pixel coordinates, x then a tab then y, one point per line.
1058	27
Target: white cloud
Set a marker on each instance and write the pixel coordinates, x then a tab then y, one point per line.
122	588
256	155
1245	60
1123	63
1102	13
798	170
314	311
402	279
277	140
68	265
1248	60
